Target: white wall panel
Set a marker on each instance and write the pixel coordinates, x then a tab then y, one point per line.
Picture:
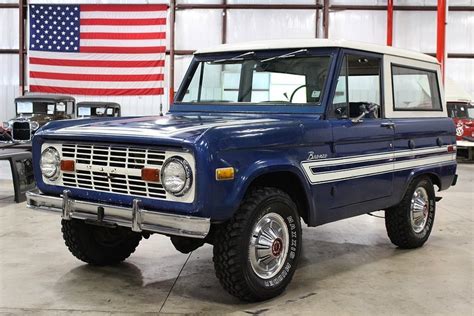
363	26
460	32
415	30
198	28
9	28
461	71
9	87
249	25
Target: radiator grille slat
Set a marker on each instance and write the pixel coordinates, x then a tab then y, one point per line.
126	162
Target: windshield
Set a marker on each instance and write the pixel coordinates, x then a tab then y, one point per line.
34	108
289	79
462	111
92	111
470	113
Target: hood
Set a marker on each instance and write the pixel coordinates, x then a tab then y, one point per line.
168	128
40	118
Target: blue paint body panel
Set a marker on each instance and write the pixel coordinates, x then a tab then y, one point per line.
279	144
270	139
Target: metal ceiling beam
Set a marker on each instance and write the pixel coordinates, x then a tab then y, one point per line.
185	6
4	51
9	6
397	8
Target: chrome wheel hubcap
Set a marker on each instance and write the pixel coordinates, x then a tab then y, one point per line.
420	207
268	245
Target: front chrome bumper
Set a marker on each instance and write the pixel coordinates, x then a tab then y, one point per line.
136	218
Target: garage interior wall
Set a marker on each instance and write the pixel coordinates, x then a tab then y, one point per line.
199	28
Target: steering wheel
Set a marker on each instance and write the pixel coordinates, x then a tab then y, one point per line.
294	92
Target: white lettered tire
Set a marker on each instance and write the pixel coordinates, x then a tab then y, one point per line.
257	251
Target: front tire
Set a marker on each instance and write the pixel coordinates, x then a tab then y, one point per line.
99	245
409	223
257	251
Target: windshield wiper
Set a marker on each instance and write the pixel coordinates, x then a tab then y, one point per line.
287	55
238	57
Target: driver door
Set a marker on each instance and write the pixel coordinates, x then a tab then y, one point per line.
363	168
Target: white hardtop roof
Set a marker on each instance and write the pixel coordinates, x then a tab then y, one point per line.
455	93
314	43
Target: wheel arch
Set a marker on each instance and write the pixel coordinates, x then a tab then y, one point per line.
435	178
290	181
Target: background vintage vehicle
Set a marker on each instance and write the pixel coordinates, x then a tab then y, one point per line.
35	110
88	109
260	136
461	109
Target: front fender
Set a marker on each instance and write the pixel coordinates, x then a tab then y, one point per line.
246	176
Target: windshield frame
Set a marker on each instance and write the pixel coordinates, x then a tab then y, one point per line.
317	108
470	107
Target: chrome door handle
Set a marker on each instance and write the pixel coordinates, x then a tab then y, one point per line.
387	124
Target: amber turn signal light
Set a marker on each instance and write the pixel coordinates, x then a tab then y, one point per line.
225	173
67	165
151	174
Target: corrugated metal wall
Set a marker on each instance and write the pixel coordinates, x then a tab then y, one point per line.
202	28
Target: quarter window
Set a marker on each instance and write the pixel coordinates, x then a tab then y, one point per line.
415	90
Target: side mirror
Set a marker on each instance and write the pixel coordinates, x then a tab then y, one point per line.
340	111
365	109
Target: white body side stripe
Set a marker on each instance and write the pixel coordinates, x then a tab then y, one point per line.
383	167
374	157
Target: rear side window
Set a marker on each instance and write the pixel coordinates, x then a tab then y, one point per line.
415	89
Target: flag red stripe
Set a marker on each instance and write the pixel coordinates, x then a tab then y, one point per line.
124	7
86	91
80	77
157	21
127	36
97	63
123	50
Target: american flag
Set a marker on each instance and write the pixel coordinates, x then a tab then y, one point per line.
97	49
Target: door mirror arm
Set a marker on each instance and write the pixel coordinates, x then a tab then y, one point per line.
365	109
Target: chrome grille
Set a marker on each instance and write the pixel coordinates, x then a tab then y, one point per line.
21	131
114	169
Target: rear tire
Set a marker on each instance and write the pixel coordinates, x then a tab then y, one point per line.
257	251
99	245
409	223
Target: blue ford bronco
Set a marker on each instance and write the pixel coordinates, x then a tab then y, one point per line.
261	136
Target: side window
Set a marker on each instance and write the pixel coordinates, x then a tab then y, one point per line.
70	107
415	89
358	86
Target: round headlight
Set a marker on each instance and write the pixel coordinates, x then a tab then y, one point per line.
49	163
34	125
7	125
176	176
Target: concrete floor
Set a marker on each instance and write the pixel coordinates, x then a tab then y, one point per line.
348	267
